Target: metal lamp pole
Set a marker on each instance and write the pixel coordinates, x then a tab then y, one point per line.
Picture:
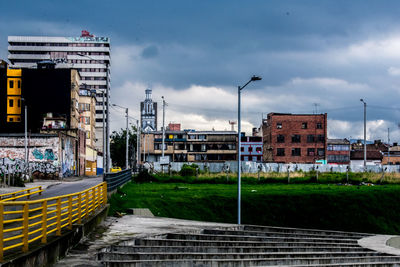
240	88
137	142
365	133
26	136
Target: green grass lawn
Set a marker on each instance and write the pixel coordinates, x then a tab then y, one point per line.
373	209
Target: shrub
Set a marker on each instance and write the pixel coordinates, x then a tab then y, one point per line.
188	170
143	176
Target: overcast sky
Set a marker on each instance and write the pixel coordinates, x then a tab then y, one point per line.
314	56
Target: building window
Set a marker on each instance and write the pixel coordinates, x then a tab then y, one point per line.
319	125
19	84
258	149
279	125
242	149
250	149
11	103
321	138
250	158
280	152
296	138
19	103
310	138
304	125
296	152
310	151
280	138
321	151
11	84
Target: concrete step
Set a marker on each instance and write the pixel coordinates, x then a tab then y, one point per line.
248	249
107	256
255	238
257	262
217	243
273	234
260	228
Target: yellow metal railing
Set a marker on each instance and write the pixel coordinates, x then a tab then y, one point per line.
21	193
23	222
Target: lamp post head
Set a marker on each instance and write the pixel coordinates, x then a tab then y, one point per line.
256	78
362	100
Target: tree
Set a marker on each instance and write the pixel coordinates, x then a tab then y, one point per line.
118	147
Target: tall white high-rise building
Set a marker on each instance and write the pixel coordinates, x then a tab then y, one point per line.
87	53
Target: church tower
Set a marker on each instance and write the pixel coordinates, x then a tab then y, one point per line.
148	113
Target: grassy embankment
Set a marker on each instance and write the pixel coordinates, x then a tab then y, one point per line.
305	203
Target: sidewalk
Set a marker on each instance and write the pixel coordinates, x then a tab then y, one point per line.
45	184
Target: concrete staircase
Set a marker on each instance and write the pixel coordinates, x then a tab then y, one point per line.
247	246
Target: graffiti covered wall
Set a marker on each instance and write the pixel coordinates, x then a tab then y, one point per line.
49	156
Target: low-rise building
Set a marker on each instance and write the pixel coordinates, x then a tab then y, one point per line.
338	151
375	153
251	148
190	146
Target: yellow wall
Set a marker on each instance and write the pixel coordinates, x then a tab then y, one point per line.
14	84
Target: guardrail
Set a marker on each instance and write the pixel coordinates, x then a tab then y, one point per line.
116	179
23	222
25	193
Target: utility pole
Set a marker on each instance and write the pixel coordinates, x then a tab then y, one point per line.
127	141
26	138
365	134
104	137
144	147
388	147
137	142
163	125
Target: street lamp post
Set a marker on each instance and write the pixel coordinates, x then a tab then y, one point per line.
137	143
127	136
26	137
240	88
365	133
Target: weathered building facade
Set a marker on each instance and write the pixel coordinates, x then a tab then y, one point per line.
52	98
294	138
190	146
251	148
338	151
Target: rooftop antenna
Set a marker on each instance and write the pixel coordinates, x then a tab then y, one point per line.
232	123
316	108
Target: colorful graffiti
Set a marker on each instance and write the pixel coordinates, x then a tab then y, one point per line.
15	166
48	154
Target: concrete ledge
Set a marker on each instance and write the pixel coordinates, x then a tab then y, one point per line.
56	247
379	243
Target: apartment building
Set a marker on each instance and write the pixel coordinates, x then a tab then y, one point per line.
294	138
338	151
89	54
190	146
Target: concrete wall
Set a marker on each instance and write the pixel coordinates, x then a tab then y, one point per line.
48	156
253	167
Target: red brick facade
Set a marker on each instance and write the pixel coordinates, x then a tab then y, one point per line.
294	138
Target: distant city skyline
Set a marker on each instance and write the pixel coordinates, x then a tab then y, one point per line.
195	54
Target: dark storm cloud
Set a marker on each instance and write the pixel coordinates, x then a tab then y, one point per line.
328	52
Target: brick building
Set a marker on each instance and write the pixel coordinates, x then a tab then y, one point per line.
294	138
